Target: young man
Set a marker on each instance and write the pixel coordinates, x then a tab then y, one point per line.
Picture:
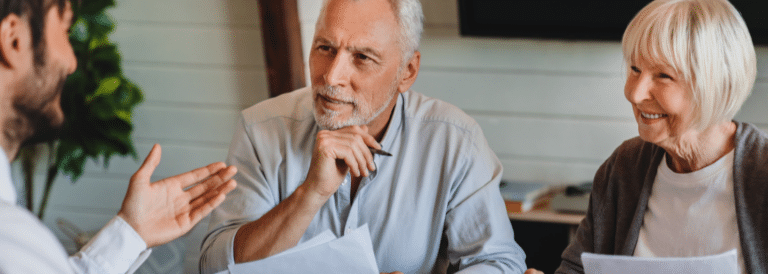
35	59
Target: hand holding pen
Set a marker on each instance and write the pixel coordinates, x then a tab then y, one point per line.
379	152
338	152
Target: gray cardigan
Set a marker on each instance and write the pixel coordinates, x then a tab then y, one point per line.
623	185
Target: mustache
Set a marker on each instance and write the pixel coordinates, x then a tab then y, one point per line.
334	93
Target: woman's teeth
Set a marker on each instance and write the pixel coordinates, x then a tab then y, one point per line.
652	116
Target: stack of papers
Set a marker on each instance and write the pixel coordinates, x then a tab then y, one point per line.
352	253
522	196
725	263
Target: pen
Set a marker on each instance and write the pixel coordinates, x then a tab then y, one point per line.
379	151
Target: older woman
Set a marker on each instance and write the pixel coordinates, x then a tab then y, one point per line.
694	182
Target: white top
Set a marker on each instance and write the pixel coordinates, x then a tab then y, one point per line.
27	246
691	214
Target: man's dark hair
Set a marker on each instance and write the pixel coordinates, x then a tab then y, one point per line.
35	11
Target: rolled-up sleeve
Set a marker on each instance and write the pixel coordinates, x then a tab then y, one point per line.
251	199
479	234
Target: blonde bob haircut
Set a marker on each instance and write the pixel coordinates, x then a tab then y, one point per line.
707	43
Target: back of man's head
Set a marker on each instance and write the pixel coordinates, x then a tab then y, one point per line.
34	13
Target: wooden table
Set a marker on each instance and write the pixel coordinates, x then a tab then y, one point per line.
546	215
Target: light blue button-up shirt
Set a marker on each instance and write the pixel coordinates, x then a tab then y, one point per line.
435	202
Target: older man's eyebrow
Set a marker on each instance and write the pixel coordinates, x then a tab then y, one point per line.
365	50
321	40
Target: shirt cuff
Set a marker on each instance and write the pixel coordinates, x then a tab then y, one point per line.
116	248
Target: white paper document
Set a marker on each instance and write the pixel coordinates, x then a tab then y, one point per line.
352	253
725	263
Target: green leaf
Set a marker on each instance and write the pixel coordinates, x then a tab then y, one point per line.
105	61
71	160
102	25
123	115
98	42
106	87
92	7
79	31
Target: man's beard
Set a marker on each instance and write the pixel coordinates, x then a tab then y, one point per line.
362	113
38	109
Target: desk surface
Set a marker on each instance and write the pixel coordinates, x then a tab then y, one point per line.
547	216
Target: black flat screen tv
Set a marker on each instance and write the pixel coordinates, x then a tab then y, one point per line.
576	19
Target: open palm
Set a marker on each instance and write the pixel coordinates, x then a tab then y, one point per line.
167	209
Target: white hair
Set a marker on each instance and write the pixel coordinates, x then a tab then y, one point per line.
704	41
410	19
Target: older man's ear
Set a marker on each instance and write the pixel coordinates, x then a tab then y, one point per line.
410	73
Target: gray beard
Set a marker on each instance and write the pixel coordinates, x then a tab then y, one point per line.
328	121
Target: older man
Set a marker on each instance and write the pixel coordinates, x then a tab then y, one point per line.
306	162
35	59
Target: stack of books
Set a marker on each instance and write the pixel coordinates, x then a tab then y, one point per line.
521	197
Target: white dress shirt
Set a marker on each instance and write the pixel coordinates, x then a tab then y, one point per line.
433	203
27	246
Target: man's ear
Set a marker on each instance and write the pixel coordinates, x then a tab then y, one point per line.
15	36
410	72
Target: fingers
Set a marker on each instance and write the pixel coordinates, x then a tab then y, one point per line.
366	162
362	155
194	176
149	165
352	152
202	206
351	145
369	140
533	271
212	182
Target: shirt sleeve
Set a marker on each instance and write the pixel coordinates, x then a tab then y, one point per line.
479	234
30	247
117	248
251	199
26	245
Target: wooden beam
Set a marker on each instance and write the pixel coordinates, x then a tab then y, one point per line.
282	45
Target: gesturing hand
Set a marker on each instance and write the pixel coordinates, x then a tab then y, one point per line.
163	211
336	153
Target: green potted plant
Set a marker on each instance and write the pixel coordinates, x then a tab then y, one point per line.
97	101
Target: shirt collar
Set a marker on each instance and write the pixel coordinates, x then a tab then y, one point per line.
395	121
7	189
394	125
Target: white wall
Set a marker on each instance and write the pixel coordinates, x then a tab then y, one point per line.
198	63
552	110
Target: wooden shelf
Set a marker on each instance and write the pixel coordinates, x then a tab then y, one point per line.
546	215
